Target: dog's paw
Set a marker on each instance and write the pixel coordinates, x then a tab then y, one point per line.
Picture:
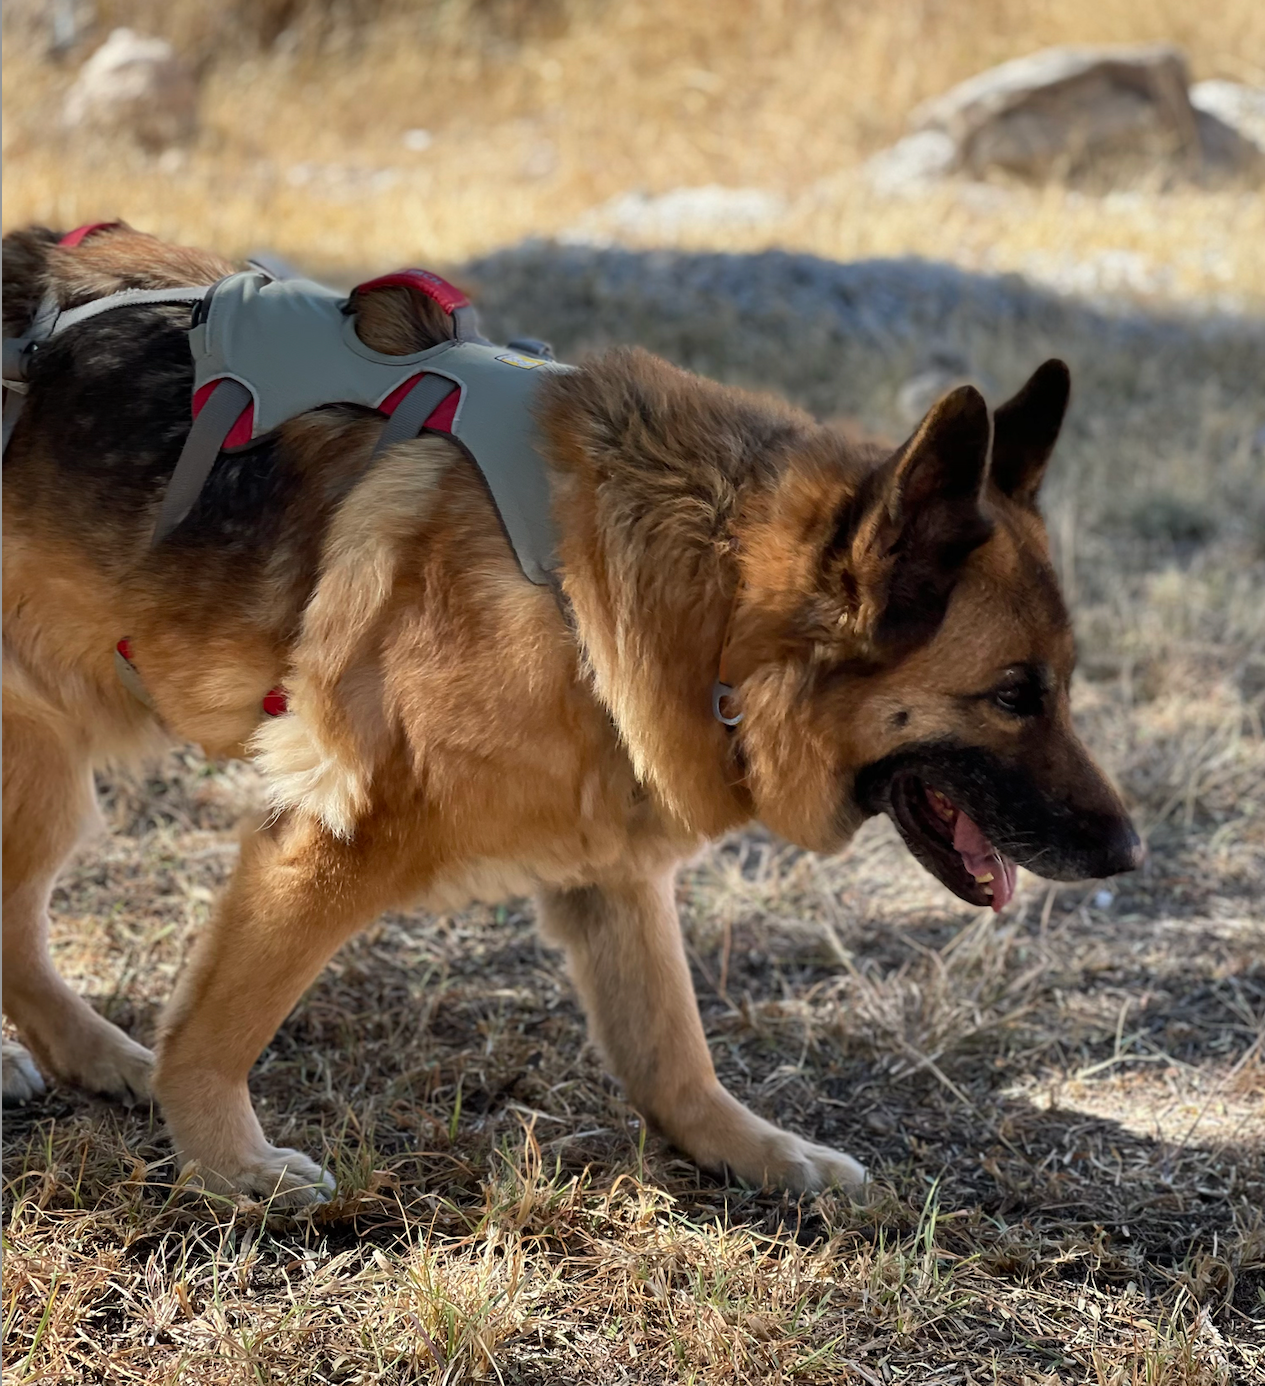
22	1080
77	1046
722	1133
803	1167
278	1177
113	1066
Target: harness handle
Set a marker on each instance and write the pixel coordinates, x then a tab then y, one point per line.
439	290
81	233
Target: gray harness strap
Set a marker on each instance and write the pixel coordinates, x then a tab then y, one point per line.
14	403
412	412
495	426
197	457
125	298
15	386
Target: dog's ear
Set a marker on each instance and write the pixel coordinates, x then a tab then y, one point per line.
901	541
1025	430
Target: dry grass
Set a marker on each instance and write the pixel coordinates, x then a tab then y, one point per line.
1066	1106
541	113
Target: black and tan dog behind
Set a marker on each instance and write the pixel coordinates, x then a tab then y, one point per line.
888	622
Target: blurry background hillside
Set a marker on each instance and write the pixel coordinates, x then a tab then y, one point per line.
370	132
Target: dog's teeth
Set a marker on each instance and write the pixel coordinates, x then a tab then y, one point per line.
984	880
988	890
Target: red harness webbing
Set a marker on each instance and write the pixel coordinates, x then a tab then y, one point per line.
81	233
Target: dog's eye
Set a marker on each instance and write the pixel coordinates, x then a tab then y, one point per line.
1021	694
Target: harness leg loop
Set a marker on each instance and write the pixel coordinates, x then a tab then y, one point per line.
412	412
197	457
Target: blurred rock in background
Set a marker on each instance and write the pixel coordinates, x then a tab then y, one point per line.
135	86
1233	104
1095	116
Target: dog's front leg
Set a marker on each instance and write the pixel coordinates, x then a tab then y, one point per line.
297	894
627	959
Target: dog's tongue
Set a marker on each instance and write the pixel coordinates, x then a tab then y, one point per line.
981	858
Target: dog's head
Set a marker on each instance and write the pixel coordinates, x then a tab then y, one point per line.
903	648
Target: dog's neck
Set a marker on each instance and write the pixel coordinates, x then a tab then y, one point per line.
653	469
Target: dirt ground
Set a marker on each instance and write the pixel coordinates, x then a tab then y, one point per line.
1063	1107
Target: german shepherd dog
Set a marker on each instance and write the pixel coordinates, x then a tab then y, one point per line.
889	621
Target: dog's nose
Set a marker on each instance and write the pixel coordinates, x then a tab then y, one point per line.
1120	850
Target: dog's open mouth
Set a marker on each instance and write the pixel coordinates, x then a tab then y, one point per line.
950	844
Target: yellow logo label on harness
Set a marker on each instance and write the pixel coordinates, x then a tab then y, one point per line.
526	363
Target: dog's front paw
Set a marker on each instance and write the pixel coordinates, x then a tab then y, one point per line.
803	1167
719	1132
22	1080
278	1177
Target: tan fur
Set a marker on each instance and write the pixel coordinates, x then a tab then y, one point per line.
452	732
319	759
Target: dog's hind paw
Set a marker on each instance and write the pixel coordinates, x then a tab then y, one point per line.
78	1046
278	1177
22	1080
121	1069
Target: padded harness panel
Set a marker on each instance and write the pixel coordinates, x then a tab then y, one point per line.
290	345
293	346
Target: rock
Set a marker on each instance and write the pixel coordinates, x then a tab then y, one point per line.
1079	113
1231	122
1225	149
137	86
912	163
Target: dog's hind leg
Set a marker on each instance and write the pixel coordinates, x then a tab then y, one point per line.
48	804
627	959
297	894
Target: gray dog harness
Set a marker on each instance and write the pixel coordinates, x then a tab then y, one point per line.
266	350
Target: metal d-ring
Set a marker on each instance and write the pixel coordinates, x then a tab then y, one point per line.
721	691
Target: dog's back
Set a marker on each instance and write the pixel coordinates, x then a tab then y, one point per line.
109	408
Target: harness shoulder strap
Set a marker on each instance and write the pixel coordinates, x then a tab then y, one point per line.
125	298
